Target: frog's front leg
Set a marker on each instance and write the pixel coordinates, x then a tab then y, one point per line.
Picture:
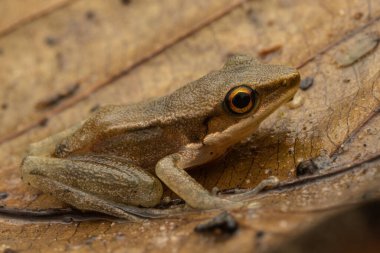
96	183
171	170
195	195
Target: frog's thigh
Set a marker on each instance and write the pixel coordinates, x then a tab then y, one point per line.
109	181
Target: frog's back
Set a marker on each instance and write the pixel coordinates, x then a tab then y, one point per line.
149	130
146	132
198	99
192	101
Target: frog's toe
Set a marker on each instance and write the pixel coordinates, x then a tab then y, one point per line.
270	182
216	203
234	204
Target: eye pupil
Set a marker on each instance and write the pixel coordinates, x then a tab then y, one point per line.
241	100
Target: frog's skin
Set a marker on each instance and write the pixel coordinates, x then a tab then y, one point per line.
112	162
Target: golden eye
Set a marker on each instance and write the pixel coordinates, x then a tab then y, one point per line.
241	99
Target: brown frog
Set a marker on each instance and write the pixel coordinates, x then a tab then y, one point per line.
116	161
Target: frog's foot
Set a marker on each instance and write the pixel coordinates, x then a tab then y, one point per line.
97	184
272	181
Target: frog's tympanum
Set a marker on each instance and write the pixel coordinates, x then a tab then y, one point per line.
116	161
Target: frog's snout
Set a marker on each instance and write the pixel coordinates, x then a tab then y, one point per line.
294	79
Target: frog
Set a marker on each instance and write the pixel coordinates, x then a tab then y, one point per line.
118	159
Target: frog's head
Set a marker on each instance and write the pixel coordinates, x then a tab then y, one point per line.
245	92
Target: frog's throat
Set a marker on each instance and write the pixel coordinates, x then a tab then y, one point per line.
246	127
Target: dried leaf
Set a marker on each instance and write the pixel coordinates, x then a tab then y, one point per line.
128	51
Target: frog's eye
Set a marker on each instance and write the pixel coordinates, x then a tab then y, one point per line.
241	99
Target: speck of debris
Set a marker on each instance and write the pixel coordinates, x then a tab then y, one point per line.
270	22
44	122
252	16
90	15
346	80
51	41
358	15
260	234
4	106
307	167
269	50
3	195
306	83
297	101
223	224
58	98
126	2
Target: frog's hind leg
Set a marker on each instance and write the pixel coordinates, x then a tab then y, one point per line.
97	184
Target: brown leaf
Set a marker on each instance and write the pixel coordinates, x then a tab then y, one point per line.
15	14
127	51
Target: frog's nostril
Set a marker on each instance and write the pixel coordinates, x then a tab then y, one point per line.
296	77
293	79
